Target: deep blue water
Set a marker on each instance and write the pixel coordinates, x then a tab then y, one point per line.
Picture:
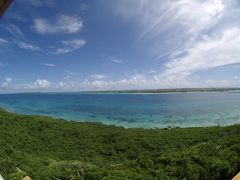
132	110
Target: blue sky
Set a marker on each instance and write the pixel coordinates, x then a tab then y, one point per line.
60	45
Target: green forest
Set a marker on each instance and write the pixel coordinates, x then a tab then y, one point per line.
47	148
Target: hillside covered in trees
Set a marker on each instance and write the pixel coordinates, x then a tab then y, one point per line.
46	148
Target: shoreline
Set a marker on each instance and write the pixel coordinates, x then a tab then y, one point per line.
116	125
135	91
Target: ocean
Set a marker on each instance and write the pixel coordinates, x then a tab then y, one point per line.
132	110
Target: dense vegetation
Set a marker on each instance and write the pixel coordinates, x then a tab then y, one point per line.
45	148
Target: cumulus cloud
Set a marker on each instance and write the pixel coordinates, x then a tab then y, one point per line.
39	84
139	81
135	81
63	24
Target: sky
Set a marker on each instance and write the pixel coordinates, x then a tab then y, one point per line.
79	45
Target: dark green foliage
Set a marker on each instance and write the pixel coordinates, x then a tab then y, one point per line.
45	148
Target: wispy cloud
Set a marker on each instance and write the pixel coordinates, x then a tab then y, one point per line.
27	46
17	37
14	30
69	46
190	36
48	65
170	26
75	43
63	24
40	3
83	7
17	16
115	60
3	41
98	76
68	74
208	53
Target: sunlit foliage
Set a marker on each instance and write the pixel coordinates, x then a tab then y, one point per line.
45	148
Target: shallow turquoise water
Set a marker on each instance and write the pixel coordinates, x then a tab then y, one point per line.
132	110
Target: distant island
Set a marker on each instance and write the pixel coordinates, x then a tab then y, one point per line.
152	91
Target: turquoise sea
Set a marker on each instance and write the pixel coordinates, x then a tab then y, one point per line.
132	110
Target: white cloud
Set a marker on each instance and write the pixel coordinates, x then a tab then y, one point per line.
74	43
14	31
159	15
49	65
190	36
69	74
18	38
169	26
6	83
235	77
207	53
3	41
115	60
151	71
61	84
27	46
69	46
98	76
63	24
8	79
83	7
137	78
39	84
136	81
62	51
